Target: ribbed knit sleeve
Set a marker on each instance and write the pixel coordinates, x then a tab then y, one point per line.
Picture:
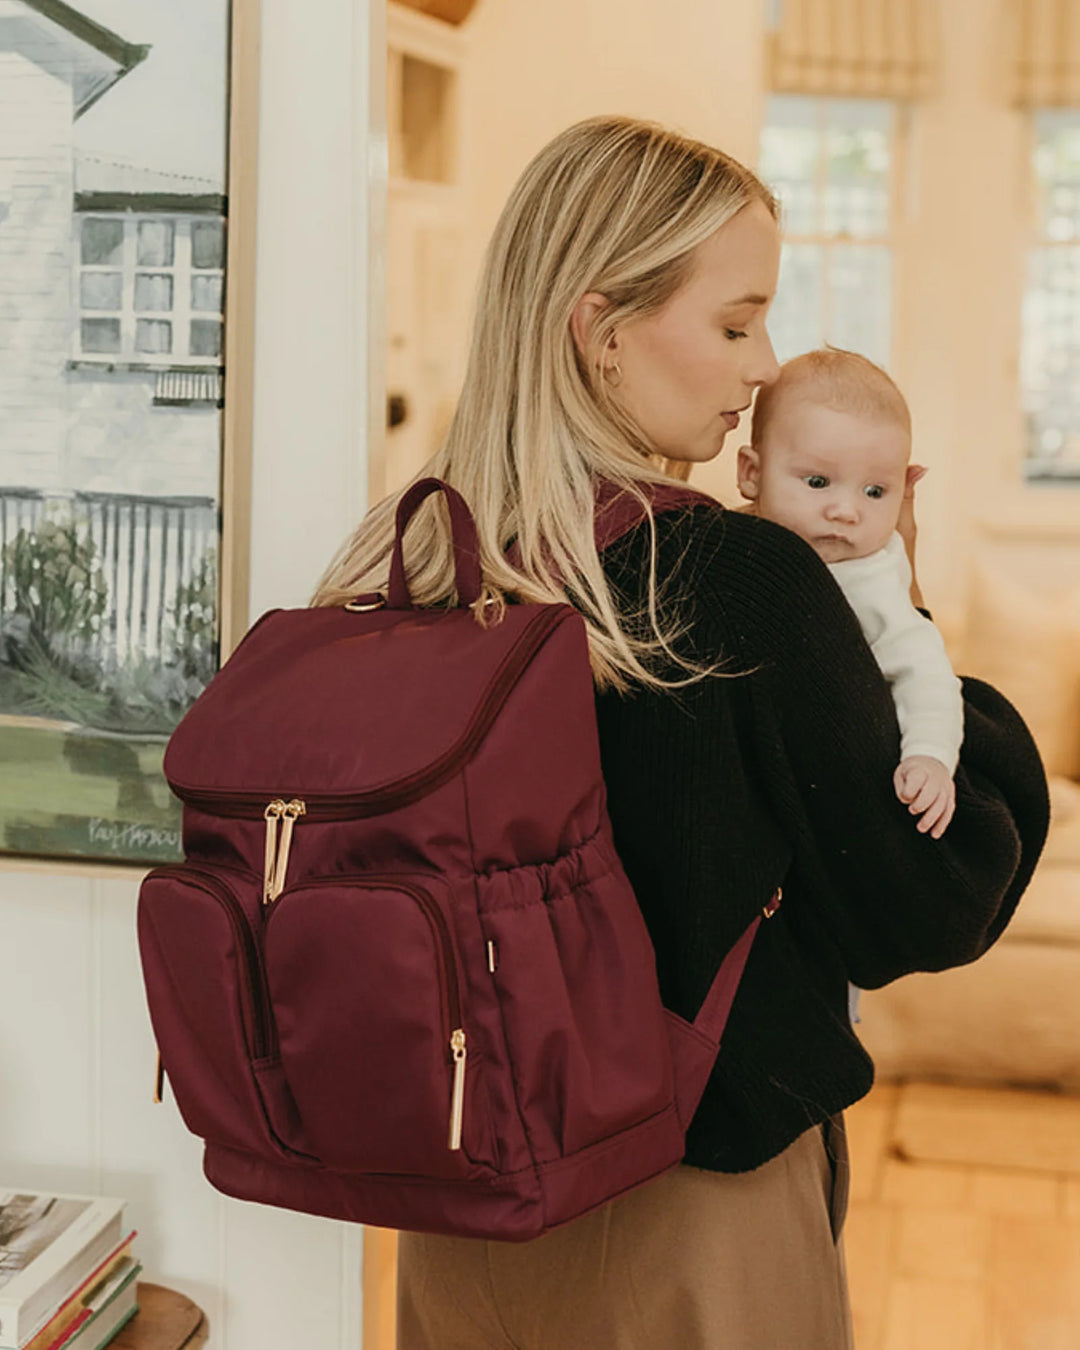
894	899
779	772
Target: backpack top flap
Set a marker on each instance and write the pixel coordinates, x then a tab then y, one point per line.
359	713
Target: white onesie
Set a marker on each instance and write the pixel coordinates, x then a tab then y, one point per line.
910	651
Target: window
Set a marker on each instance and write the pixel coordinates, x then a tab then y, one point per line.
1050	344
831	163
150	289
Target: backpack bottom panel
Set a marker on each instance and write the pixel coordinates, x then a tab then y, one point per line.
511	1208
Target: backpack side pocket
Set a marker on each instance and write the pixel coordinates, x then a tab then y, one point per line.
202	966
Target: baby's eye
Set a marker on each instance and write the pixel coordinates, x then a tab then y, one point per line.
734	334
816	480
875	491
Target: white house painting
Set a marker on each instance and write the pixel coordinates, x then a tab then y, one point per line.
113	135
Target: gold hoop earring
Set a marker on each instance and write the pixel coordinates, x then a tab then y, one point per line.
617	369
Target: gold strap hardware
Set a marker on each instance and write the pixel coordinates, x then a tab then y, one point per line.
774	904
354	607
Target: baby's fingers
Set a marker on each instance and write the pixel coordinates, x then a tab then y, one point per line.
931	817
926	796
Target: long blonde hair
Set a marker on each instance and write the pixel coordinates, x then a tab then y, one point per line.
611	205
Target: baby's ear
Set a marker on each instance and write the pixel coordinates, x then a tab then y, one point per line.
748	472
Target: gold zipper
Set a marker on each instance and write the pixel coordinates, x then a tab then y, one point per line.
457	1103
272	815
276	863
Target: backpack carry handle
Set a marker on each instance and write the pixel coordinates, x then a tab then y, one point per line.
467	575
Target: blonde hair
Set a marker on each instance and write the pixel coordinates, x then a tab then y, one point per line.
612	205
832	378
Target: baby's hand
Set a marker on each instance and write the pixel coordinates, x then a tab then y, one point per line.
927	786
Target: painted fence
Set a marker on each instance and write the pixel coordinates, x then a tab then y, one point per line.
151	551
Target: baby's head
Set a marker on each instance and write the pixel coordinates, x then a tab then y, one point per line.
830	444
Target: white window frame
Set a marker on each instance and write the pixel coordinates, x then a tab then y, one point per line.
1037	242
891	239
180	316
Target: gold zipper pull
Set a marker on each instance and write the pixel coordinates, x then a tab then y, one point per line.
457	1103
289	814
159	1080
272	815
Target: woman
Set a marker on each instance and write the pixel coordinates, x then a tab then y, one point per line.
748	740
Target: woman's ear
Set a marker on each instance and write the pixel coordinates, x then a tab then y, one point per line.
583	321
748	472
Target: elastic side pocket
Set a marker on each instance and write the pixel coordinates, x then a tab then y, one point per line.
576	979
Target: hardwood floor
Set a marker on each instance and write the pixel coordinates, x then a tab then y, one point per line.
964	1226
963	1231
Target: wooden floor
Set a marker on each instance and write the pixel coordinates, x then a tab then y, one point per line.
972	1240
963	1231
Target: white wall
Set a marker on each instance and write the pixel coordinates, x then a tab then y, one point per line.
534	69
76	1054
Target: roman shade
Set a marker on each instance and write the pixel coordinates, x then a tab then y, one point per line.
1042	52
854	48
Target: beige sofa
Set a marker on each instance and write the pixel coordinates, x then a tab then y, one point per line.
1013	1016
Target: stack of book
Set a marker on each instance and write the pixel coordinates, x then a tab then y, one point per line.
67	1273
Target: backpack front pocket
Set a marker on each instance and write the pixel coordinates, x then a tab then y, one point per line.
210	1010
367	996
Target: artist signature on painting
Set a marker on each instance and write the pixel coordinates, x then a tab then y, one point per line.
121	838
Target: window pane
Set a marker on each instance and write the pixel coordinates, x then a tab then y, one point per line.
153	291
101	290
829	161
857	145
1057	174
100	335
860	291
795	318
206	293
153	336
790	149
155	243
205	337
1050	363
102	242
208	243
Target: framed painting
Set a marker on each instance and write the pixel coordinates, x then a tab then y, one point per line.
126	159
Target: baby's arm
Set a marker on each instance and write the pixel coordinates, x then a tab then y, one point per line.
911	653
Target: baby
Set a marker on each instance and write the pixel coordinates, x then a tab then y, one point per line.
829	452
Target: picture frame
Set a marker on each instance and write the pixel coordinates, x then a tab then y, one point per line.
125	456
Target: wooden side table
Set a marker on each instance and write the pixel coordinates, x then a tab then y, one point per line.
166	1320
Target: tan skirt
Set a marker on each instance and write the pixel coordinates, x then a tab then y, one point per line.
694	1260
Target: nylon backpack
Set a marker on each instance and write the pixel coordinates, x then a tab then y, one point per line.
401	977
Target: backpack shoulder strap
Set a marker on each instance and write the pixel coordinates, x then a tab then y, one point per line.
618	511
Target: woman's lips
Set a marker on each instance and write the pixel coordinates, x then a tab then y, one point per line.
732	420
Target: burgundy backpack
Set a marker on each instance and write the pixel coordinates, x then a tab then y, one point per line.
401	977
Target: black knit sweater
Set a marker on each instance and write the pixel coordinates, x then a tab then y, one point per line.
783	775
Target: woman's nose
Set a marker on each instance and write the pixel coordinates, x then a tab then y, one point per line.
765	368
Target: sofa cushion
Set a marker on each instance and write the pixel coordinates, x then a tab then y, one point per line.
1011	1017
1028	645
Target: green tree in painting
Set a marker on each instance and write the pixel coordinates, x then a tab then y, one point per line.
60	595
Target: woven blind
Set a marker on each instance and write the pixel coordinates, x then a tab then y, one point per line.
1043	52
855	48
